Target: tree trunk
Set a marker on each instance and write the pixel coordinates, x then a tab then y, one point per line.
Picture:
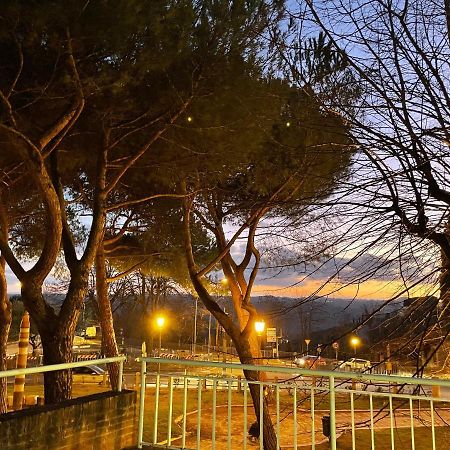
444	279
5	323
246	343
57	331
5	315
57	349
441	354
109	344
249	352
243	347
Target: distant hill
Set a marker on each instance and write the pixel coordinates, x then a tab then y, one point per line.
294	317
297	317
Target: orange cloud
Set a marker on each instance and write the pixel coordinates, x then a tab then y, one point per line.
371	289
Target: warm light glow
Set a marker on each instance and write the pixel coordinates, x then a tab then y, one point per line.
367	290
189	119
160	321
260	325
355	341
224	280
288	124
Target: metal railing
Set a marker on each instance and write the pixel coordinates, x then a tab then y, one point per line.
65	366
214	410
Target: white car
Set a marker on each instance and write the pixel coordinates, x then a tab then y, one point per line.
356	364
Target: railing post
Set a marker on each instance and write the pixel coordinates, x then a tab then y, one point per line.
119	385
142	404
137	380
332	414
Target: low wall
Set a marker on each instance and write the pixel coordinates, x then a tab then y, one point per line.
95	422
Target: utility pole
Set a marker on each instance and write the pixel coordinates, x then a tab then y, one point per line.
217	339
209	337
388	363
307	341
224	346
195	327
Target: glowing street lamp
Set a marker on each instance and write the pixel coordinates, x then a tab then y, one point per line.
160	322
355	341
260	326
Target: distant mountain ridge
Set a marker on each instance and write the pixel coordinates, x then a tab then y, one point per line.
288	314
322	314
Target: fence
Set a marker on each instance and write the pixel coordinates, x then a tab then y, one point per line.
214	411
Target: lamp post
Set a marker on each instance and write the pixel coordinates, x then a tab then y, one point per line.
260	326
194	344
160	322
209	337
355	341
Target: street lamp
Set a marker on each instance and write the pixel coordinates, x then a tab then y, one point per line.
160	322
355	341
260	326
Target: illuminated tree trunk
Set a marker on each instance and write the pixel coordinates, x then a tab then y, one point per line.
57	349
249	352
444	279
441	352
246	352
109	343
5	312
5	323
57	331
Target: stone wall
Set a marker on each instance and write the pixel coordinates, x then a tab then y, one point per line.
95	422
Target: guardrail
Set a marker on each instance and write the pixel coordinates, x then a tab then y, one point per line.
303	405
66	366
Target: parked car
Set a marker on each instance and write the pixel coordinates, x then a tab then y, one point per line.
356	364
310	361
88	370
88	374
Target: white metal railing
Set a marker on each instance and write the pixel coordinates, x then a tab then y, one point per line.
65	366
184	405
